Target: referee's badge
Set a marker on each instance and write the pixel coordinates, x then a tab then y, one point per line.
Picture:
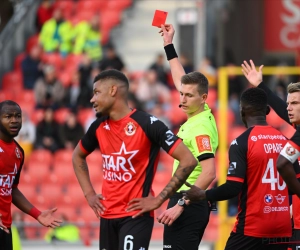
130	129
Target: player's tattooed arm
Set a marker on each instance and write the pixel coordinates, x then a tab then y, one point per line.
176	182
83	166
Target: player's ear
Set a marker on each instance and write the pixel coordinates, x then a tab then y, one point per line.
113	90
268	110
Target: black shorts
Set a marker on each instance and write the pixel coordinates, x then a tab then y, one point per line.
243	242
5	240
126	233
186	232
295	240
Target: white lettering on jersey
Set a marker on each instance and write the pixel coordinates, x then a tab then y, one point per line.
1	150
272	148
153	119
115	166
6	182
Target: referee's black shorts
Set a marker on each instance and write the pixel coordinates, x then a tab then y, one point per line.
126	233
238	241
5	240
187	231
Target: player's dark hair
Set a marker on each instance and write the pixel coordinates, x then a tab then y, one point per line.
196	78
112	74
255	100
8	102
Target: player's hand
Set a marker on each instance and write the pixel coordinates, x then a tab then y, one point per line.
167	32
95	204
145	204
253	76
47	219
2	227
170	215
194	193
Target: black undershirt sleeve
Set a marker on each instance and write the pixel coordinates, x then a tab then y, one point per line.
276	103
226	191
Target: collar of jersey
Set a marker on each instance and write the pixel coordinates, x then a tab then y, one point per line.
125	117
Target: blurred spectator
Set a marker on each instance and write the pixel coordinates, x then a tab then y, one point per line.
207	69
88	39
186	63
71	132
67	232
44	13
26	136
72	92
158	111
32	67
150	91
159	67
86	75
57	34
111	60
47	132
48	90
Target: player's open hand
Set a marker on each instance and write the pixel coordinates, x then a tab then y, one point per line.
47	219
170	215
253	76
2	227
167	32
95	204
145	204
194	193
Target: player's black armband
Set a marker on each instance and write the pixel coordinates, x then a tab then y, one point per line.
226	191
170	51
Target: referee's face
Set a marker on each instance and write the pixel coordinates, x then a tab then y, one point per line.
102	99
293	107
190	100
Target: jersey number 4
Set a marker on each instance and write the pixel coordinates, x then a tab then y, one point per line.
269	176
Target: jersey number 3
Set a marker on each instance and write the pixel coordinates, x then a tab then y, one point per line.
269	176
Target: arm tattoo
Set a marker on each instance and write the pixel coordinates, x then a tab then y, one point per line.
83	166
176	182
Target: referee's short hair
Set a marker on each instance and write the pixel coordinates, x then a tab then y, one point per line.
112	74
196	78
256	100
293	87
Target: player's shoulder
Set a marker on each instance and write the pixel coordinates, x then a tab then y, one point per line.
242	139
143	117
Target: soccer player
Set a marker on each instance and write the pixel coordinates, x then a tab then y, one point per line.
11	162
290	112
183	227
263	217
130	141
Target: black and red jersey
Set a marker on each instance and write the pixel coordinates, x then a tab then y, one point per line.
11	161
263	209
130	149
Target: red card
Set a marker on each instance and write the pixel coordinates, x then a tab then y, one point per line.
159	18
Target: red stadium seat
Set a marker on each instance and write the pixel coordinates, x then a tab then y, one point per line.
72	62
235	132
54	59
118	5
230	117
96	173
83	115
63	156
12	81
85	15
67	7
31	42
36	172
75	193
18	60
212	98
61	114
6	95
63	173
65	78
91	5
52	194
37	116
42	156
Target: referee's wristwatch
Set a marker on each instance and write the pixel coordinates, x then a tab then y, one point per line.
181	202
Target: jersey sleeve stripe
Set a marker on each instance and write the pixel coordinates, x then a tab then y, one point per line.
82	148
230	178
294	145
174	147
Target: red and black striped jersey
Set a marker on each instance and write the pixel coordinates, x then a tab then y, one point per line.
263	209
11	162
130	149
